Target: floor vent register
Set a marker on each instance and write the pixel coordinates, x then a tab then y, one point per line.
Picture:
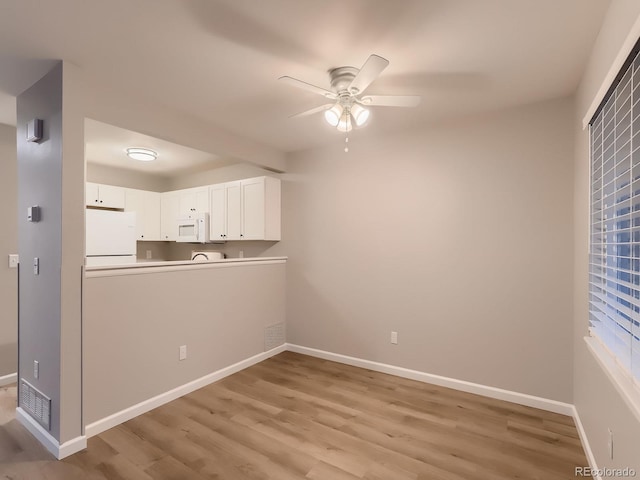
36	403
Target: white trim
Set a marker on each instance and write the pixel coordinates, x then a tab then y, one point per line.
47	440
128	413
462	385
8	379
623	53
616	375
143	268
591	458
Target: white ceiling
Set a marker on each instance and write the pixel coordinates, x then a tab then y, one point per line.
107	145
219	60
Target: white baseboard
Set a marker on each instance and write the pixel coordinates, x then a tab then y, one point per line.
127	414
492	392
8	379
58	450
585	443
484	390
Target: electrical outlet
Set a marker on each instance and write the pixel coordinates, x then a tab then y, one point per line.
149	255
610	444
394	338
183	352
14	259
36	369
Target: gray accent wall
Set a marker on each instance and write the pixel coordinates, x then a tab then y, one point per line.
599	404
8	245
51	175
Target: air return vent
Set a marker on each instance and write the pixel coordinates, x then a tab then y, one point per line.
273	336
36	403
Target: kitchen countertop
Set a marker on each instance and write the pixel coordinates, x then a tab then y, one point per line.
158	266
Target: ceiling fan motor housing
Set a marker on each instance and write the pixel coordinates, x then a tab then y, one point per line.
341	78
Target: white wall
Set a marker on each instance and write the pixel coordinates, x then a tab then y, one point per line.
457	236
227	173
8	245
135	324
598	403
98	173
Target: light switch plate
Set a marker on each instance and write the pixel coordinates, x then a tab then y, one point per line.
14	259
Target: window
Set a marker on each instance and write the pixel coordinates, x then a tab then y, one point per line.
614	270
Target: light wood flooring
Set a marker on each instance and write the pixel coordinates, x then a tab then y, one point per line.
298	417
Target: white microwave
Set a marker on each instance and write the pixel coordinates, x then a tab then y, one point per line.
194	228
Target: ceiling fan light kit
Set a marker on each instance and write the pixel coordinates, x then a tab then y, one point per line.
347	88
360	114
332	116
345	124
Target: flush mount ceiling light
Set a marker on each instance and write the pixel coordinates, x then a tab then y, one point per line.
142	154
347	94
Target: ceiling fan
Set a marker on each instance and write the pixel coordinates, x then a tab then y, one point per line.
349	101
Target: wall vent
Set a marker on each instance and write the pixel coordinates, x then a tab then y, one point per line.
273	336
36	403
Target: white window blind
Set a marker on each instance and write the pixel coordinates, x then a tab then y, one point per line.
614	272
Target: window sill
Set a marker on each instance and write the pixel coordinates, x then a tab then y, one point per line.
625	386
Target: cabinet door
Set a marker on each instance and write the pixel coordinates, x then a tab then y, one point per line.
218	212
253	208
151	209
133	202
202	200
111	197
193	201
169	213
234	211
91	194
187	203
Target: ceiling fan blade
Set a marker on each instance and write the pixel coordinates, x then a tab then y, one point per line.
373	67
391	100
307	86
321	108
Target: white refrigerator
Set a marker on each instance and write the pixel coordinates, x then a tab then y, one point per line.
111	237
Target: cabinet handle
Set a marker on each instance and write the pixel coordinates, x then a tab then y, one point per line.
241	235
100	201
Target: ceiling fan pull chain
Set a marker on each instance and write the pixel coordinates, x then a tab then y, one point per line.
346	132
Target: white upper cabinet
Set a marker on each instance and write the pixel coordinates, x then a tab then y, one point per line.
224	219
218	212
193	201
147	207
106	196
169	214
234	211
246	210
253	209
